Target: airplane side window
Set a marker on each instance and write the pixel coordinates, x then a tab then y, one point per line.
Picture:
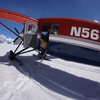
54	28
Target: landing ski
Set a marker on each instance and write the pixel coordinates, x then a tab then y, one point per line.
37	58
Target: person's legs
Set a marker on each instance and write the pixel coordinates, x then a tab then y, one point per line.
42	54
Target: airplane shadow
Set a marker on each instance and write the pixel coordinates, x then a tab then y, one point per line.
56	80
75	53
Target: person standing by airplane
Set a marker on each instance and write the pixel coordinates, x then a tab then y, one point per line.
44	41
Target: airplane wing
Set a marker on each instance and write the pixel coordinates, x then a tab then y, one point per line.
16	17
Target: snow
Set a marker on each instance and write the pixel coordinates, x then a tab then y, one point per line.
4	39
50	80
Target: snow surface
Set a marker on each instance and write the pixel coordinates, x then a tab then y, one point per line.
50	80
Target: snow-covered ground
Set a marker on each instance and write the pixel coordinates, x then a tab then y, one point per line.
51	80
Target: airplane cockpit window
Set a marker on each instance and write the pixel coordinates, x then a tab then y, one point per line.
31	30
54	28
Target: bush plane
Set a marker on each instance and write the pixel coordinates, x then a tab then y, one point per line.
68	35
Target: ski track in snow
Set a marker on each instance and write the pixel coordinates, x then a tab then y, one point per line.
25	75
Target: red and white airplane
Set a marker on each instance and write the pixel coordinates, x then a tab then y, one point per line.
77	34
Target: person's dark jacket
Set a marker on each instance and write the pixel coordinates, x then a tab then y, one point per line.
45	37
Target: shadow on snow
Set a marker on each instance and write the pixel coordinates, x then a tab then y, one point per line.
57	80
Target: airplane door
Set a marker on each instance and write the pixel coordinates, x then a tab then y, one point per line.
30	34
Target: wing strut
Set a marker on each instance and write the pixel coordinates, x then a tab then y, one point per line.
11	30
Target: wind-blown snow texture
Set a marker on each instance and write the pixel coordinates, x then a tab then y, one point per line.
54	80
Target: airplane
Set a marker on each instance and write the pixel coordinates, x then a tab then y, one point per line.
68	35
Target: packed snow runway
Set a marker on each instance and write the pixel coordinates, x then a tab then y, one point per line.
51	80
